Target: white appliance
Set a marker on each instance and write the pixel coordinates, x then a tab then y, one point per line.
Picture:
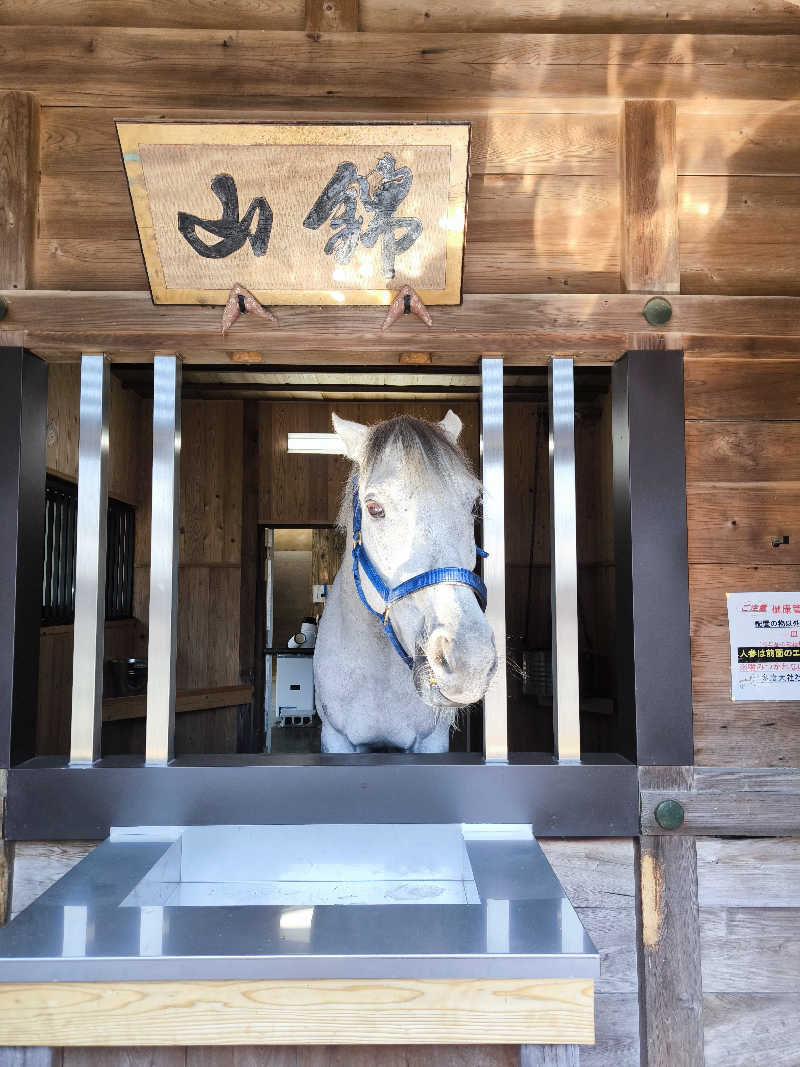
294	689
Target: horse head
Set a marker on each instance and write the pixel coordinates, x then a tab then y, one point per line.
414	497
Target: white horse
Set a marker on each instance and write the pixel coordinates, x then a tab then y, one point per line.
396	677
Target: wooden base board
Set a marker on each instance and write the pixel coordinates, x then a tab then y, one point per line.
329	1012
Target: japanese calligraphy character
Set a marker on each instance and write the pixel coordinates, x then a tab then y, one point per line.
382	195
231	230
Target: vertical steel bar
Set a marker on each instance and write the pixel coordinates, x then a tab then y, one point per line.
564	561
495	708
90	561
163	637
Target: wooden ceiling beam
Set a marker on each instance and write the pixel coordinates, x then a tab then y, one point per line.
128	326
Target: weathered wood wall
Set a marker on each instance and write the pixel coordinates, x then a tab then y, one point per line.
552	211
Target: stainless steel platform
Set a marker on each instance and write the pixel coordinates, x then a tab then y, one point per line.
325	901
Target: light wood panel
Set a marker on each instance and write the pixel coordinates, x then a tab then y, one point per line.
324	1011
739	234
68	65
19	178
650	260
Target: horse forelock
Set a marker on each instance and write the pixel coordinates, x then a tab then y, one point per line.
428	453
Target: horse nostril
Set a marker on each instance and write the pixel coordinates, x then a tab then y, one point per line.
439	652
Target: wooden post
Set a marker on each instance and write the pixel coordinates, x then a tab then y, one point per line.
331	16
650	254
19	184
670	985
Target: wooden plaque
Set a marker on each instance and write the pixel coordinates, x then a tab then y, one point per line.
312	213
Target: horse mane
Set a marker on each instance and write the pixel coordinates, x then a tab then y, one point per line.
431	453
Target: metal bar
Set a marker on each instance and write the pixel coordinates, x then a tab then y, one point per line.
163	639
653	669
495	705
598	797
564	561
90	561
23	418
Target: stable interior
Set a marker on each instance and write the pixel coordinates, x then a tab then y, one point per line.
258	540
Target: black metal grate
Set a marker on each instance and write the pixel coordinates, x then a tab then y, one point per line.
58	582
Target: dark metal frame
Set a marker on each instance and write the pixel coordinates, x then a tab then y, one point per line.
597	797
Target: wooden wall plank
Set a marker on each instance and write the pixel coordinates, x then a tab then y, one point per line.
31	1057
750	950
650	254
767	389
744	143
520	16
69	65
742	1029
186	14
509	135
408	1056
739	234
128	1057
241	1056
749	873
727	527
741	452
19	179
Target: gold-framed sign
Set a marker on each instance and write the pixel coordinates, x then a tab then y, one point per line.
307	213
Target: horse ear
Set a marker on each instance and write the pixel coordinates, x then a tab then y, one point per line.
451	424
352	435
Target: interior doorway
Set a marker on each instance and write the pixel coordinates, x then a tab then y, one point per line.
300	563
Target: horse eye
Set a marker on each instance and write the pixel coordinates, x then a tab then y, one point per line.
375	510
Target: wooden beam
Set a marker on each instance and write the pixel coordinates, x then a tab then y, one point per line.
331	16
64	322
134	707
670	977
19	183
191	68
650	252
323	1011
752	802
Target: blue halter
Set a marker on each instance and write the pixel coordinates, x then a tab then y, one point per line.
437	576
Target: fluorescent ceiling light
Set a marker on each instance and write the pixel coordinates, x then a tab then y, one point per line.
316	444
